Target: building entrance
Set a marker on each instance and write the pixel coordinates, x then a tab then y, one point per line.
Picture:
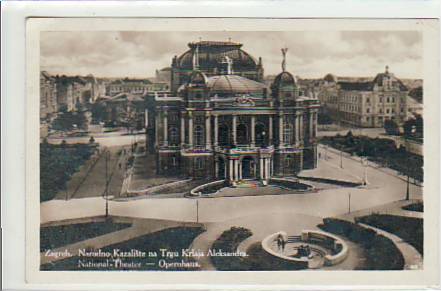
248	168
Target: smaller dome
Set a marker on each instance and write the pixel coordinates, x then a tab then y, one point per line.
284	79
233	84
330	78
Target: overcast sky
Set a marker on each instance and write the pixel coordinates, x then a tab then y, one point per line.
310	54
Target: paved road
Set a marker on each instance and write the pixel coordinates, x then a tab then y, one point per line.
109	139
90	181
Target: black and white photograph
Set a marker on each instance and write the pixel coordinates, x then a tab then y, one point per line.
232	151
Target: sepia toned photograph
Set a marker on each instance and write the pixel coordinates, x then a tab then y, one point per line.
245	146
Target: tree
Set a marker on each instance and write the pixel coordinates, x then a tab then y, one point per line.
391	127
408	126
419	128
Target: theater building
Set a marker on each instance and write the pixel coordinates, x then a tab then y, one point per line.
227	126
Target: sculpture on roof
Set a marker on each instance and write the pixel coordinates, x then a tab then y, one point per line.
284	51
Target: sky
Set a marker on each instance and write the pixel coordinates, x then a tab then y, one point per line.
311	54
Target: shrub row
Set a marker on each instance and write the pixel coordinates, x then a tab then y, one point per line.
381	253
410	229
228	241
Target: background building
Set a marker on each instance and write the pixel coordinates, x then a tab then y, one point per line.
365	103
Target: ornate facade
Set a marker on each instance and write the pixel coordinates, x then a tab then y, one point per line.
230	127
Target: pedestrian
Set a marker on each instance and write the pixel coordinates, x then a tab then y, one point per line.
279	242
283	244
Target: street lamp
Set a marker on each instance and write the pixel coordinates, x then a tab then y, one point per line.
349	202
341	159
364	162
106	190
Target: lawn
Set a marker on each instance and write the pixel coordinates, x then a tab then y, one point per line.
410	229
380	150
418	207
57	165
155	251
52	237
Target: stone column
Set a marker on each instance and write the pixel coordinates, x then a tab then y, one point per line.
190	129
231	178
236	168
272	166
301	135
296	133
216	130
165	127
208	130
311	124
281	142
234	129
270	130
268	169
182	129
216	168
261	168
240	170
157	117
253	131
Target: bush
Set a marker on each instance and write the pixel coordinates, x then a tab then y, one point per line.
228	241
381	253
410	229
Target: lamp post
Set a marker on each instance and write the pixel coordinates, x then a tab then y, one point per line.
349	202
341	159
197	210
106	190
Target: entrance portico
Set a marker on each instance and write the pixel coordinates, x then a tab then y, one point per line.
245	164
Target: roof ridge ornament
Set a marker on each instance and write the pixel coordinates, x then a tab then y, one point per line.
284	51
387	69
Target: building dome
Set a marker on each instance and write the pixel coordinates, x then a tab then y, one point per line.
330	78
211	53
233	84
284	79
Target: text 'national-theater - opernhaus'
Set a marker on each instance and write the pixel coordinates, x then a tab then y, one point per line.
222	121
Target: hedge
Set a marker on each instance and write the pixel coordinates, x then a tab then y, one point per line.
381	253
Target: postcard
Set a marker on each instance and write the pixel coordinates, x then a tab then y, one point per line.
232	151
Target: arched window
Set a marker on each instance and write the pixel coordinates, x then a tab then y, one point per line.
224	135
173	136
198	164
242	134
287	133
260	134
199	135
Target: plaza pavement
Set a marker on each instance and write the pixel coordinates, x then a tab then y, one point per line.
383	188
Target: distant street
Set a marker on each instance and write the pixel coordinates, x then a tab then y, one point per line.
108	139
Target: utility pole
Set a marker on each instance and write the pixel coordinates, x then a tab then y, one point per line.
106	191
408	177
407	188
341	159
197	210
